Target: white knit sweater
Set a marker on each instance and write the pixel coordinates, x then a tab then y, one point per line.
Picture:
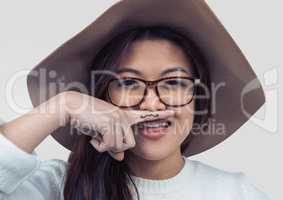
25	176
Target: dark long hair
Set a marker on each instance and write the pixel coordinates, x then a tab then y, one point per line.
93	175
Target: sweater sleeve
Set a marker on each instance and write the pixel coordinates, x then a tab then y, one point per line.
26	175
249	189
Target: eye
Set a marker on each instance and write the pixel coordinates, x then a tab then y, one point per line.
177	82
127	83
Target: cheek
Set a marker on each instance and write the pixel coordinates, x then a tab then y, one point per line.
184	121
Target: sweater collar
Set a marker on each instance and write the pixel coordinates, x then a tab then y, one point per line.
171	184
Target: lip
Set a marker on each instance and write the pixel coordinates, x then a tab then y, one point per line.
156	119
153	133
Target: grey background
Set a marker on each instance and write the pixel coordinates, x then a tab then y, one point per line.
30	30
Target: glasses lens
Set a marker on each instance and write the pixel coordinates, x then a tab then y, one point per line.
176	91
126	92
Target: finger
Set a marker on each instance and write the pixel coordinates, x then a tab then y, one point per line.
118	135
114	136
108	135
135	116
98	145
118	156
128	137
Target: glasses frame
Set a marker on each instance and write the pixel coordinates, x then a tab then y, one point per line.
154	84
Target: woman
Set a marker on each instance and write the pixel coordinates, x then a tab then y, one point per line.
141	119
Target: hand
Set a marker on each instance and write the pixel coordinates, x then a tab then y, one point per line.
110	126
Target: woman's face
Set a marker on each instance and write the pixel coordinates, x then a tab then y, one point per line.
150	58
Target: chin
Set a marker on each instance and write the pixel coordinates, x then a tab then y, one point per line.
153	153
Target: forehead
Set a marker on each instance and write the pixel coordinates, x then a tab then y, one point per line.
152	57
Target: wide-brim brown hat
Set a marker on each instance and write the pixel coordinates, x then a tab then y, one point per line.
241	97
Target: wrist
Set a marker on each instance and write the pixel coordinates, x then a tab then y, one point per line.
62	102
69	103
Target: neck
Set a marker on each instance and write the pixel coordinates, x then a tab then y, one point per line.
155	169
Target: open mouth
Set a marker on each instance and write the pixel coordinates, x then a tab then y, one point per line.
154	129
159	123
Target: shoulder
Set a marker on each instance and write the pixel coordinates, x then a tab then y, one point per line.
46	180
51	171
22	172
56	166
224	184
208	175
212	173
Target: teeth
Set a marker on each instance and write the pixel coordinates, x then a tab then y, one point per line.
153	124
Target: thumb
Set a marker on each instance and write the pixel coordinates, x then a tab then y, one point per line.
118	156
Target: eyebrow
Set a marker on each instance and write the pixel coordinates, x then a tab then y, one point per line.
167	71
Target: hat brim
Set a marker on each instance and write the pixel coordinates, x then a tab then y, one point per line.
241	97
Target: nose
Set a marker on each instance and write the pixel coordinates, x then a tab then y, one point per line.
151	101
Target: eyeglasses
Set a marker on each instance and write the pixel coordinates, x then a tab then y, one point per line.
173	91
